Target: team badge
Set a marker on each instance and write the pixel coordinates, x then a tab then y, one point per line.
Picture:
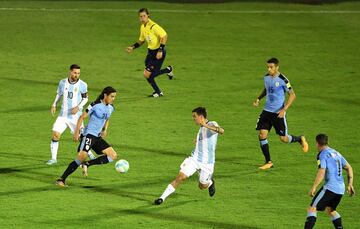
277	84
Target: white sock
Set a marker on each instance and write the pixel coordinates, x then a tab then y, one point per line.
91	155
169	189
210	183
54	146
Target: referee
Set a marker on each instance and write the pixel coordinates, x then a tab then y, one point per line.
156	38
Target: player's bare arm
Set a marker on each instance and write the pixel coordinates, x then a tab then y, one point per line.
319	177
104	130
290	100
216	129
78	126
262	95
53	107
350	177
134	46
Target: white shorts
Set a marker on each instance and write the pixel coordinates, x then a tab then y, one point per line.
62	123
190	165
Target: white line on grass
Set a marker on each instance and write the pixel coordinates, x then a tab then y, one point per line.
194	11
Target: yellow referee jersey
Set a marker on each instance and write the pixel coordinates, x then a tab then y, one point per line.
151	32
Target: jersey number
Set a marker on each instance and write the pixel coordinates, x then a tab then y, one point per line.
70	95
338	167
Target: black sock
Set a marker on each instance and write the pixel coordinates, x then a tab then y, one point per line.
337	223
310	222
265	149
98	161
153	84
70	169
157	73
295	138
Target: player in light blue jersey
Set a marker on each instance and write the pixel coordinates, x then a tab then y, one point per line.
73	92
202	158
99	113
273	114
331	164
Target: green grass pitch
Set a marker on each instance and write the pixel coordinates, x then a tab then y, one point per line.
219	53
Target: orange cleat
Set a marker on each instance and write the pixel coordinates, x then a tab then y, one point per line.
267	165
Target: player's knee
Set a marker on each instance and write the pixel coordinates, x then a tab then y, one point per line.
82	156
147	74
329	211
284	139
203	186
262	135
56	136
311	209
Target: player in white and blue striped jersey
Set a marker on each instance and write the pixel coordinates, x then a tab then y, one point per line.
202	158
330	166
73	92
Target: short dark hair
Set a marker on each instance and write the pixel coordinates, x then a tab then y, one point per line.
322	139
74	66
200	111
144	10
273	60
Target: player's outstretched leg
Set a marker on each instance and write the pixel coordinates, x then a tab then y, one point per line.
109	156
335	218
69	170
311	218
300	139
171	188
264	145
212	188
54	146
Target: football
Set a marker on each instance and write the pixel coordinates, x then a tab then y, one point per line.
122	166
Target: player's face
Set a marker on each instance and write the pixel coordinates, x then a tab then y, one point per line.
272	69
109	99
197	118
74	74
144	18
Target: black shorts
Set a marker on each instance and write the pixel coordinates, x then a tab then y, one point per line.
269	119
325	198
152	64
98	144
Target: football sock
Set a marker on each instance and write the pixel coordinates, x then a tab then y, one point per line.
54	146
210	183
294	138
153	84
169	189
265	149
310	222
157	73
70	169
104	159
337	221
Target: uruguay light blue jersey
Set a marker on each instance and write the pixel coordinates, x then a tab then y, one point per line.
72	96
333	163
99	113
275	92
206	144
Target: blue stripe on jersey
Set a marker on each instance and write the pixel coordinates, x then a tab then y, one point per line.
200	149
69	101
211	148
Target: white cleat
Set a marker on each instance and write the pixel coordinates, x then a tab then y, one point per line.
171	73
51	162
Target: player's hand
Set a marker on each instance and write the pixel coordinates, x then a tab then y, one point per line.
74	110
281	113
256	103
159	55
103	133
351	190
312	192
53	110
129	49
76	136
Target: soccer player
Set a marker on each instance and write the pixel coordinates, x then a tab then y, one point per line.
99	113
156	38
202	158
74	97
273	114
331	164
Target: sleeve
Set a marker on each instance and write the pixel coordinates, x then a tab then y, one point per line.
343	161
142	36
213	123
90	108
159	31
60	88
322	162
286	83
83	89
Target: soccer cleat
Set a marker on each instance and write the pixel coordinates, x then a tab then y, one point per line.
304	144
171	73
212	188
84	168
51	162
158	201
267	165
60	183
156	95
